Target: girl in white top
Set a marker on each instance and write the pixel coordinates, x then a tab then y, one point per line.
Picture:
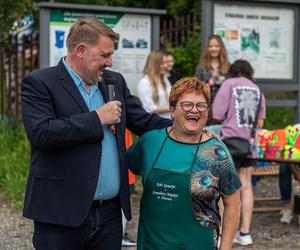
154	88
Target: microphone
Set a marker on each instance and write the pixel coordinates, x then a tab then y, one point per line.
110	88
110	84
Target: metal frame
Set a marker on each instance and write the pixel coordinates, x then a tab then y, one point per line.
207	18
46	7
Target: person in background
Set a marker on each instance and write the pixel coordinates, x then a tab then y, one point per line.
286	172
169	67
78	181
213	65
235	107
126	241
212	69
154	88
185	172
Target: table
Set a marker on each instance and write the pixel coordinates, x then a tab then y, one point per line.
278	160
268	171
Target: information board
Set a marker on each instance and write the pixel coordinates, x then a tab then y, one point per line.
260	34
133	47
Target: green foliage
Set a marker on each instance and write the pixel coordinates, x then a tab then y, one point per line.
12	11
186	56
175	8
279	117
180	8
14	162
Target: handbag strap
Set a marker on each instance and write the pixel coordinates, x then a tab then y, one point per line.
256	117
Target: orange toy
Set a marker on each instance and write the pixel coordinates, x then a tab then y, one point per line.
278	138
275	148
264	136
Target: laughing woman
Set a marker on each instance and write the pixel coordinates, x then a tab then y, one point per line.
185	172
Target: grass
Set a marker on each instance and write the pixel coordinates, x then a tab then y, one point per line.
14	162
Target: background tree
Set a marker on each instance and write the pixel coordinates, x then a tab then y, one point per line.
11	12
175	8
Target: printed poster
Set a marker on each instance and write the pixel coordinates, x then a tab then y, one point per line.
133	47
262	35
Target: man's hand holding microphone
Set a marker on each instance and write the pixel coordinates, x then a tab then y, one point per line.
110	113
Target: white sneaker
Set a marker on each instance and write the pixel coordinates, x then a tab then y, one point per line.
243	240
219	241
126	242
287	215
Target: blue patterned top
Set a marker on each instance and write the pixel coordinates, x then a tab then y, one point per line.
213	174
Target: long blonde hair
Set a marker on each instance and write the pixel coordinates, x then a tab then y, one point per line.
152	70
206	59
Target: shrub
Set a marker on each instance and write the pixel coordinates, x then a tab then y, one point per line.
279	117
186	55
14	162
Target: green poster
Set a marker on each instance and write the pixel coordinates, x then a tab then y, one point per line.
68	17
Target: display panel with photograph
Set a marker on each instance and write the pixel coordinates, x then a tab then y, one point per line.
262	35
133	47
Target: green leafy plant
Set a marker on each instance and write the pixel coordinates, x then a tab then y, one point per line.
279	117
14	162
186	55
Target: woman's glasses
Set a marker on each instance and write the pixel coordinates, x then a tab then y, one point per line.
188	106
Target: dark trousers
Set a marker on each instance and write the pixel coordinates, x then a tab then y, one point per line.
102	230
285	183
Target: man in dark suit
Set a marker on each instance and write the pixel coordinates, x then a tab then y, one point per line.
78	181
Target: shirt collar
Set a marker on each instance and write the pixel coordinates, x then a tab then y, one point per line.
76	78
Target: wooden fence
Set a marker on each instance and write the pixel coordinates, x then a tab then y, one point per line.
17	59
175	31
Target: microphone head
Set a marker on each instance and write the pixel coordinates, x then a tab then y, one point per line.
110	86
110	81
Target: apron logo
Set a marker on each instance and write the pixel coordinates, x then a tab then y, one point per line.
164	191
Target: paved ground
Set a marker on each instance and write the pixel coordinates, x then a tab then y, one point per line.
268	233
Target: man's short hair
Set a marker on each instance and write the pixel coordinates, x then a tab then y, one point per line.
88	30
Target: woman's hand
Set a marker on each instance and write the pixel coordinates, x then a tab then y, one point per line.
211	134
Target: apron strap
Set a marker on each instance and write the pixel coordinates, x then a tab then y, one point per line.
195	155
162	146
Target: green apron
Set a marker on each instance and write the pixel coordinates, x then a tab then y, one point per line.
166	220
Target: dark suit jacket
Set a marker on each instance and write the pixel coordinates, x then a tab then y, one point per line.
65	140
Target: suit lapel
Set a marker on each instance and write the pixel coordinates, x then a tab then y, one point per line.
68	84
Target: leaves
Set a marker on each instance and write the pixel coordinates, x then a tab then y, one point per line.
186	56
14	161
11	12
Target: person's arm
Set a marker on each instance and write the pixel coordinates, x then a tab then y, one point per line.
262	112
294	171
230	190
161	109
45	128
260	123
144	92
135	157
231	217
164	109
202	75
